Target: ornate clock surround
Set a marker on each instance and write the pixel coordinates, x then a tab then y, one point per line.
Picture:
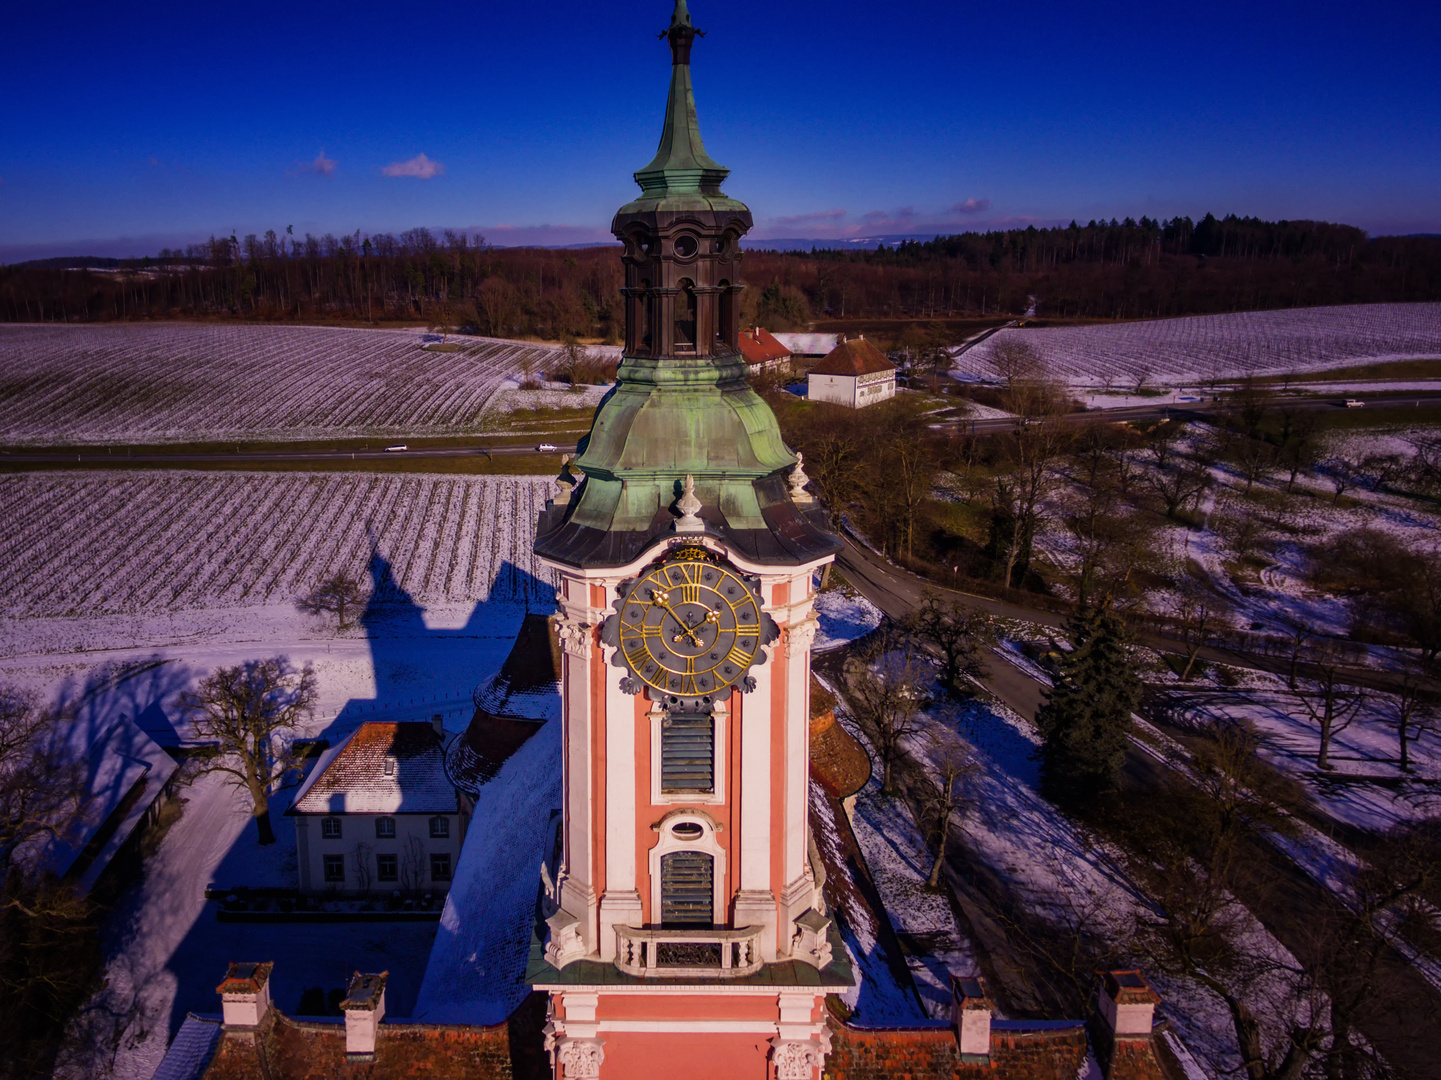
688	629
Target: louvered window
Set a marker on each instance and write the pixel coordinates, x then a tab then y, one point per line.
686	896
687	752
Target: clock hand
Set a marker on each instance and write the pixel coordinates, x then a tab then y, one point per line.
661	600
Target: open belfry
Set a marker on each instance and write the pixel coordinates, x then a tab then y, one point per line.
685	919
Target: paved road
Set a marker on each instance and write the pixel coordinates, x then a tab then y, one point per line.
1197	410
120	455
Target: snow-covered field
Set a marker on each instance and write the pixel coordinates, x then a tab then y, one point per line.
147	542
1168	352
172	381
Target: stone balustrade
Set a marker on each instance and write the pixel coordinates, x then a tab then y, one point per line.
702	952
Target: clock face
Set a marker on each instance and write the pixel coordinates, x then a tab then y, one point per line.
690	628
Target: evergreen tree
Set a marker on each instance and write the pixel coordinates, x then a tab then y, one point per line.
1086	719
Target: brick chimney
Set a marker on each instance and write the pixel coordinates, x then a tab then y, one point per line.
364	1008
1127	1003
971	1017
245	995
437	722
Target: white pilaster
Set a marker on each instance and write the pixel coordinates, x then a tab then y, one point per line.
621	900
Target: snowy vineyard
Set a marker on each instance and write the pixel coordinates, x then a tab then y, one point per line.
92	544
174	381
1209	347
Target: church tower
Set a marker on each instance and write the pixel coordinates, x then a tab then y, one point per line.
685	930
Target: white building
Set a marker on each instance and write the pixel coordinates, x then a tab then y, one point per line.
853	374
378	814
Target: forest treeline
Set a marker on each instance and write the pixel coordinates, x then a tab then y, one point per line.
1101	270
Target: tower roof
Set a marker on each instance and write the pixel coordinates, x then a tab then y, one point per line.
682	406
681	175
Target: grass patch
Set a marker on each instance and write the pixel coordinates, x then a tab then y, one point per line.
1397	415
1389	369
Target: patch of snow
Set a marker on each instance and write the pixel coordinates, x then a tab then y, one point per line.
843	619
476	970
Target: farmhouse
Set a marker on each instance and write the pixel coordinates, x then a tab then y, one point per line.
378	813
854	374
763	352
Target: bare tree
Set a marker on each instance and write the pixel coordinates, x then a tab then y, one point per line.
1108	542
339	595
1176	487
1023	479
1194	619
1333	706
42	782
834	460
1343	471
945	794
886	690
363	868
412	864
1251	457
1298	452
1014	360
49	951
248	713
960	638
1161	441
1413	709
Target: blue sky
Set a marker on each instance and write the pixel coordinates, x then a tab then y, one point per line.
131	127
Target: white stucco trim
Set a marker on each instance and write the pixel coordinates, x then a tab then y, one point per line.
655	718
706	842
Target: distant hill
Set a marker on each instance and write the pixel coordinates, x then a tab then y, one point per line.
71	262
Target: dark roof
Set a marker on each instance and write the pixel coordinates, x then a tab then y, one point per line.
352	779
792	536
510	706
854	358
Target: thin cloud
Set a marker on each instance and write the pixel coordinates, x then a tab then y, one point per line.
322	165
971	206
899	219
420	167
816	216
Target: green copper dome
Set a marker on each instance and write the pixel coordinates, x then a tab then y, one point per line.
683	404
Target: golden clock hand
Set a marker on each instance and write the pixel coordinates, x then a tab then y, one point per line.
662	600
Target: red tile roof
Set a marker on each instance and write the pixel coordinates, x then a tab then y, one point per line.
853	358
759	346
354	779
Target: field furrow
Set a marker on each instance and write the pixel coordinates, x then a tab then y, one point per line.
148	542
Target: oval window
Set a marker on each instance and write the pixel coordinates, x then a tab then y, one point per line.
686	830
685	246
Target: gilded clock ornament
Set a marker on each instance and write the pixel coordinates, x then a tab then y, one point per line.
689	630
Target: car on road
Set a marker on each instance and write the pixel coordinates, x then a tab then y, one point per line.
397	447
1353	403
546	448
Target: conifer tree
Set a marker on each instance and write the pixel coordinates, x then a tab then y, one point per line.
1086	719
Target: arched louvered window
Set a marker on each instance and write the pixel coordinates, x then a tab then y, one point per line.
685	306
687	896
726	332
